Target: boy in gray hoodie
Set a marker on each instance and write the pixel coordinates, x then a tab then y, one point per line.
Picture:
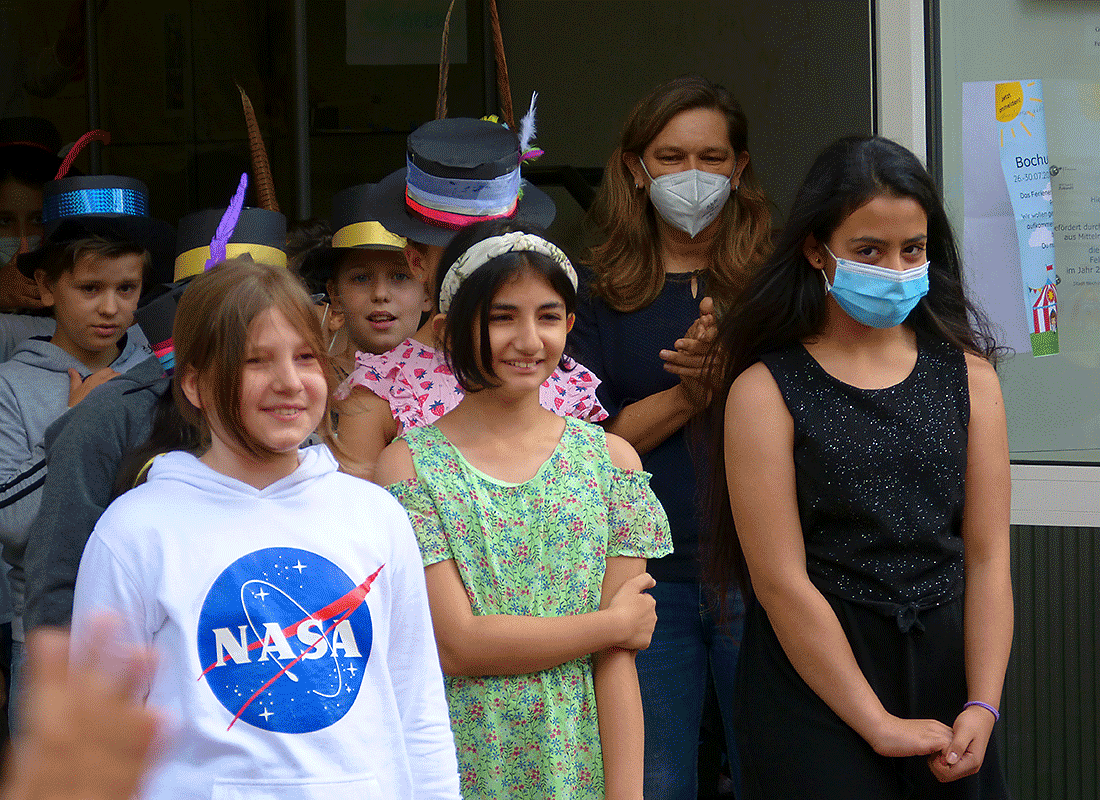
90	271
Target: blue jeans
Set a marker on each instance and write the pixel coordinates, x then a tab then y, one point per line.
689	648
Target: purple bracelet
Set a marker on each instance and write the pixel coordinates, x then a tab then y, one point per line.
996	714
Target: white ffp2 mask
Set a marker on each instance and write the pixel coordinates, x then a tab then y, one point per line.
688	200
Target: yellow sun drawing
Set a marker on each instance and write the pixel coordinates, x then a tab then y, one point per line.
1014	107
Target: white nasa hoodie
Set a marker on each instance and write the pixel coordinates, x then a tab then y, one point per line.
296	654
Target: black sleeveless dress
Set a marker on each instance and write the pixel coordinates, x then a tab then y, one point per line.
880	480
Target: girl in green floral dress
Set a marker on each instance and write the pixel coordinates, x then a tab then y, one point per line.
534	532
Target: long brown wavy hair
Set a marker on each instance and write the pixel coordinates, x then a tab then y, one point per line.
626	267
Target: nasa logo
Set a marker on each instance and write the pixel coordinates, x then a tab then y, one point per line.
284	636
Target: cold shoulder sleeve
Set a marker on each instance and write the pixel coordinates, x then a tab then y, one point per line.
636	521
420	506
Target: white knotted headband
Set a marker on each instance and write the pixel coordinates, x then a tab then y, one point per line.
487	249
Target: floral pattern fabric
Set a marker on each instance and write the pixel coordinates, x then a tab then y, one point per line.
420	387
537	548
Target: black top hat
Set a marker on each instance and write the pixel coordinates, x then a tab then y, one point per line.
110	206
355	222
458	171
355	226
259	232
29	147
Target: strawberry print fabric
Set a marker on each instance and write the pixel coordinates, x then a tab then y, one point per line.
420	388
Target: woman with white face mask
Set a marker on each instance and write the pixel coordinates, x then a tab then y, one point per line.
683	221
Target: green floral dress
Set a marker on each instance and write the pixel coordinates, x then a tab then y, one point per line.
535	549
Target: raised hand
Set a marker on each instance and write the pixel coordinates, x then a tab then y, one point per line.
688	360
85	735
16	290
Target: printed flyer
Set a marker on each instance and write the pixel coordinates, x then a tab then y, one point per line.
1025	164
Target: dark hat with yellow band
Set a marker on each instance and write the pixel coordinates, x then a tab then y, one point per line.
260	233
355	223
355	226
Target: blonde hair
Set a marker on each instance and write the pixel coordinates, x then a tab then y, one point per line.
210	336
626	267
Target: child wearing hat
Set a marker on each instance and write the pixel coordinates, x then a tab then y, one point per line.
99	245
458	172
369	281
380	301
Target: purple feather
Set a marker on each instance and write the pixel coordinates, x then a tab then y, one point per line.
227	224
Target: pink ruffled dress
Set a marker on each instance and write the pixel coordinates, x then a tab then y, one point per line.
420	388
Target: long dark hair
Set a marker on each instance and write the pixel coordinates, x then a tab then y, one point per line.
784	302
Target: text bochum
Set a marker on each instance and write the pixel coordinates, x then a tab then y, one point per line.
1036	160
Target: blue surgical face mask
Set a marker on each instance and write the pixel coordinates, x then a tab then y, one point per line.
878	297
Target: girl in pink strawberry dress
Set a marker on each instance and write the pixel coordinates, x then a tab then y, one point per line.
419	387
412	386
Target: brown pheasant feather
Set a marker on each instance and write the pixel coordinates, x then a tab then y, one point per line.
261	167
504	88
444	66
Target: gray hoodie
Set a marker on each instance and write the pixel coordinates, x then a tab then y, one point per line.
84	450
34	391
14	328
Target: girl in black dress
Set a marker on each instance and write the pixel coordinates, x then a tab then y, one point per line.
864	462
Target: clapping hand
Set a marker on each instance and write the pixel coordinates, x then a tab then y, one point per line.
688	360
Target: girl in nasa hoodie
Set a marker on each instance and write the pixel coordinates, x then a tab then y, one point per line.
284	598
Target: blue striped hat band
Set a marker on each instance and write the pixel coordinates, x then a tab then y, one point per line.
82	202
467	196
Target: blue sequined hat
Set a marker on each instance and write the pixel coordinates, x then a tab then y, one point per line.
111	206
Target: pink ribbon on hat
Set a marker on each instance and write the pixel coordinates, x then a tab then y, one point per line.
449	219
